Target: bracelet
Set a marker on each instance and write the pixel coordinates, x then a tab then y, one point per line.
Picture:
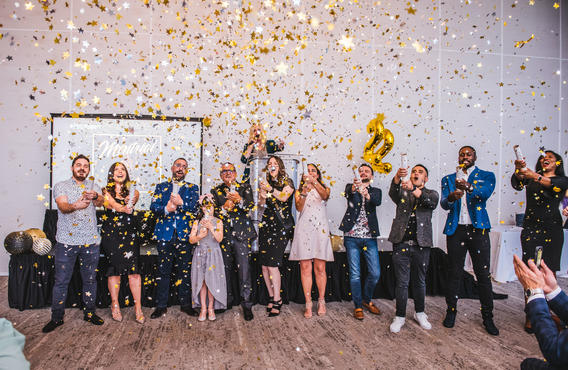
303	195
539	178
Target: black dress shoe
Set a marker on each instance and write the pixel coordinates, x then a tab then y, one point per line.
490	327
51	326
188	310
93	318
158	312
450	319
247	312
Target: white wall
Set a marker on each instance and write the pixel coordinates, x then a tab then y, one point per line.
469	86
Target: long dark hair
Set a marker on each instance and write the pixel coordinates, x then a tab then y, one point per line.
282	177
111	185
559	163
319	177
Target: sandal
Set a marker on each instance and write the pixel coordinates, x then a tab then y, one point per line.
140	319
321	307
202	315
308	310
211	314
270	302
276	306
115	311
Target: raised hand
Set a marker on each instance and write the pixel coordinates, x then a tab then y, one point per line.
401	173
176	199
82	203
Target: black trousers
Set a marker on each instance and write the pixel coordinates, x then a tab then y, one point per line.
238	257
410	265
476	242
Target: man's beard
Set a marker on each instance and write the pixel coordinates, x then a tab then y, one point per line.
79	177
179	177
365	181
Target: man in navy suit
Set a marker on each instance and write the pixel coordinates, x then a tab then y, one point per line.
175	204
467	229
543	293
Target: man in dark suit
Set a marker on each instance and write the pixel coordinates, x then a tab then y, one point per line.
175	204
233	203
411	237
467	229
543	294
361	229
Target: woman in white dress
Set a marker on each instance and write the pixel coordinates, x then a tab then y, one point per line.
311	236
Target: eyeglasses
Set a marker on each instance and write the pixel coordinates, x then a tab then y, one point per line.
180	165
224	172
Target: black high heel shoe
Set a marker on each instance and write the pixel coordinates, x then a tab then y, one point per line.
276	306
270	301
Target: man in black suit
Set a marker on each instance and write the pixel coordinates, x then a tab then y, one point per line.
411	237
361	229
233	202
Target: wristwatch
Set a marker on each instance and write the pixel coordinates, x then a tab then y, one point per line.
531	292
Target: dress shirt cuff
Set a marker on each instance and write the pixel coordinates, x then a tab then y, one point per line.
535	296
550	296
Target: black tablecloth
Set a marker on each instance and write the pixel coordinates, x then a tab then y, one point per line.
31	279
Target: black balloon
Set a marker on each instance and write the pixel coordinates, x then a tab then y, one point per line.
18	242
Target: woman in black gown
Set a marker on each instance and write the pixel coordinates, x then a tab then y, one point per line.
276	228
542	225
119	239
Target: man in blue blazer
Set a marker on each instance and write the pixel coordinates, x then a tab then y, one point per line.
467	229
543	294
175	205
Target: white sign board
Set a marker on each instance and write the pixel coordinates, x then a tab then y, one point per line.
146	146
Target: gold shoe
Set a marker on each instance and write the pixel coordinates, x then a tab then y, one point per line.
140	319
115	311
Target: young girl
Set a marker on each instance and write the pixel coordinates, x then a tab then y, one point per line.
208	282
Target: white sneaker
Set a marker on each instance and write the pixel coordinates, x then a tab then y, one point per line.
397	323
422	319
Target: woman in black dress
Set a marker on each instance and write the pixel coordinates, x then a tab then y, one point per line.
542	225
276	228
258	146
119	239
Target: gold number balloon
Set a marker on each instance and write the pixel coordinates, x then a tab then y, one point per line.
378	134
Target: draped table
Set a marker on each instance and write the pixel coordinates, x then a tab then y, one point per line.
505	243
31	277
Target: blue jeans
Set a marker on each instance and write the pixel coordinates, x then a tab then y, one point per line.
181	252
367	246
65	257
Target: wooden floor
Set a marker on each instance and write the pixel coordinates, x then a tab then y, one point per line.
288	341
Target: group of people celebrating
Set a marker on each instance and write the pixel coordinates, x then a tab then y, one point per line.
191	229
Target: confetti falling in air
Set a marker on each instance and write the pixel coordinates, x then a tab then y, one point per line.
520	44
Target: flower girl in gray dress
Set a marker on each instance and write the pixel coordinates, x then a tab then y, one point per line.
208	284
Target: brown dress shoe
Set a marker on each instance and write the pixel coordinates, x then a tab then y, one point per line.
528	326
358	313
372	308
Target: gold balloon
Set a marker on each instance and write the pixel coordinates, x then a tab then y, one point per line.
35	233
379	134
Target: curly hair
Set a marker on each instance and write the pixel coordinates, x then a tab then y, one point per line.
559	163
111	185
